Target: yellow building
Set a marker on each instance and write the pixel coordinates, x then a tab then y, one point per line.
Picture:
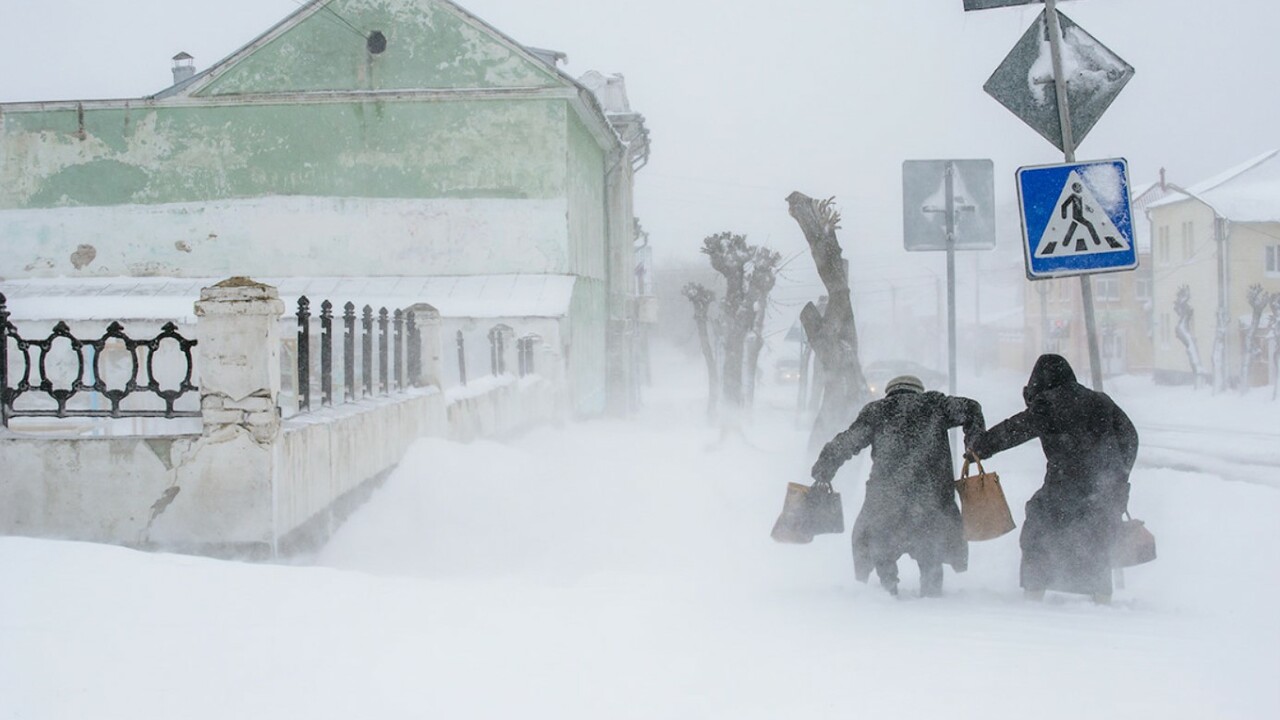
1216	238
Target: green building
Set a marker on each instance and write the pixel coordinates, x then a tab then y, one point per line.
364	138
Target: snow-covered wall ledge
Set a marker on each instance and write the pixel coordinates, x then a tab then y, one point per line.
249	484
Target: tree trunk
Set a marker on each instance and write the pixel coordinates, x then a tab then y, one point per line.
1258	300
1182	308
832	334
713	375
755	342
701	298
763	278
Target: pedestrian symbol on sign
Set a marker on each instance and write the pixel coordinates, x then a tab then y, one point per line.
1076	218
1079	225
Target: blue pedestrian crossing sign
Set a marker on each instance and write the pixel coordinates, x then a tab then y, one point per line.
1076	218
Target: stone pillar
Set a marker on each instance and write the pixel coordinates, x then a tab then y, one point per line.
427	318
239	356
223	499
509	361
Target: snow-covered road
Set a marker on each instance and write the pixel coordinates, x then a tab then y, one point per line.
615	569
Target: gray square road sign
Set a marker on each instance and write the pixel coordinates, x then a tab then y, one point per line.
924	204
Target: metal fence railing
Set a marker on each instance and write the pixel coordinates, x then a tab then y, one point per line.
112	375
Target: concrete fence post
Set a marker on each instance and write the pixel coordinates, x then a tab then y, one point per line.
427	318
509	361
223	500
239	357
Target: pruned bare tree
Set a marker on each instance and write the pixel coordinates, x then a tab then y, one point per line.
764	275
701	298
1182	308
1274	334
832	334
729	256
749	274
1259	300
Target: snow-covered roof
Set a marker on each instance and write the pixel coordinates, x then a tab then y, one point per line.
1248	192
455	296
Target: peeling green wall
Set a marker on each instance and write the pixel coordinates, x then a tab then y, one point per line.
585	190
462	149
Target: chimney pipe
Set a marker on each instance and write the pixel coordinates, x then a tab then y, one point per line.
183	67
1162	187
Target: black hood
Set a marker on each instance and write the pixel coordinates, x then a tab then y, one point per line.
1051	371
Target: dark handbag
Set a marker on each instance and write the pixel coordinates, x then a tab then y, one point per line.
1134	544
983	507
808	511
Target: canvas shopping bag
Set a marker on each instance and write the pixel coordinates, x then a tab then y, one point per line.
983	507
1134	544
807	512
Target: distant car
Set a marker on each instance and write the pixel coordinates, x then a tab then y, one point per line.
879	373
786	370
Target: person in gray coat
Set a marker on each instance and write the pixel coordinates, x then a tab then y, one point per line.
910	506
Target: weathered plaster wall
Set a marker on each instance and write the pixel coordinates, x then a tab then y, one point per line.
94	489
585	354
589	252
428	45
391	149
234	493
435	188
328	453
296	236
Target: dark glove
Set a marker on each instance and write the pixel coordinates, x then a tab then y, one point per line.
971	456
821	484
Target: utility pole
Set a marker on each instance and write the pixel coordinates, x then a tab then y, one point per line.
1224	313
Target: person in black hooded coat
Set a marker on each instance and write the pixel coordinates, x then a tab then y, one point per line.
1089	448
910	505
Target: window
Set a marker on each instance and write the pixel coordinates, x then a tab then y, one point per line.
1165	330
1273	260
1162	244
1142	288
1106	289
1188	240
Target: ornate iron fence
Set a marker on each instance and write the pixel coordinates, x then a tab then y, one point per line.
395	336
37	381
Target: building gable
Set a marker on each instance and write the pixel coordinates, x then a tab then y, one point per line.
375	45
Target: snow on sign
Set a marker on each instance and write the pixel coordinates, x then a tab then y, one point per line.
1076	218
1024	81
989	4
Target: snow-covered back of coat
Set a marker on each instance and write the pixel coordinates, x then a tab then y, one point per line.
910	504
1086	437
1089	447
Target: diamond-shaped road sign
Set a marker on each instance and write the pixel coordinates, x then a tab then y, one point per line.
1076	218
988	4
1024	81
924	204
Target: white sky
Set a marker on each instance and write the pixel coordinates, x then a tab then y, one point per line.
748	101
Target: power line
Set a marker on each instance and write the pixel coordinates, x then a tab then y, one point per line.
335	19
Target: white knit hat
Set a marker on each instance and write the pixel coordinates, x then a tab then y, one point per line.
904	382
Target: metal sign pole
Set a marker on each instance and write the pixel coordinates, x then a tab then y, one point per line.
951	277
1069	155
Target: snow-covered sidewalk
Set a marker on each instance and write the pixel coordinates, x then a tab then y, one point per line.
617	569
